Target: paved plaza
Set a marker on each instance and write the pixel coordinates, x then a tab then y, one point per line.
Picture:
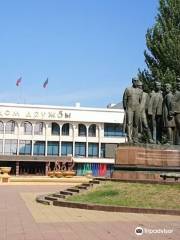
21	218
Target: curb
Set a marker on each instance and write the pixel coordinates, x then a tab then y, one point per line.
109	208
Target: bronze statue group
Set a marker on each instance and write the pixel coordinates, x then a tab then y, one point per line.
152	117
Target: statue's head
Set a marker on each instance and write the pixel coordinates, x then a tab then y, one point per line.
139	84
167	87
157	85
134	82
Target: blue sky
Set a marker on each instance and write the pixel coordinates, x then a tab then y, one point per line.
89	49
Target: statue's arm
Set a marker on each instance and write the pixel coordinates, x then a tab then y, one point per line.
175	102
150	104
147	102
125	97
170	105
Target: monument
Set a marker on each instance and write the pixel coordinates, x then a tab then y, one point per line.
176	111
157	116
131	101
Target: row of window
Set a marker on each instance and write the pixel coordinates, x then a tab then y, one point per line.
10	127
110	129
82	130
25	148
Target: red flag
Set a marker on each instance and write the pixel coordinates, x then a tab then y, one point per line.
18	81
45	83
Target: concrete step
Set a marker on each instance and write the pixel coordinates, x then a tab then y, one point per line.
94	181
66	193
81	187
42	200
58	195
100	178
73	190
50	198
87	184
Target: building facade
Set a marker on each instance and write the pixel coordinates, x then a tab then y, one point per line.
31	136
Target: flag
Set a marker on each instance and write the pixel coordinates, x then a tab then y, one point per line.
18	81
45	83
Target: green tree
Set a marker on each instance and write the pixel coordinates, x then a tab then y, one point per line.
163	45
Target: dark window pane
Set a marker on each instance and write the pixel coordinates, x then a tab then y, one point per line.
39	148
102	150
93	149
81	130
10	147
65	129
25	147
92	130
113	130
1	127
66	148
38	128
10	127
55	129
1	146
80	149
53	148
27	128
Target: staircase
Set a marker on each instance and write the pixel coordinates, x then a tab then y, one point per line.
48	199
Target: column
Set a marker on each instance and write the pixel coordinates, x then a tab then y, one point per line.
18	135
87	129
17	168
46	145
46	168
60	130
3	137
74	137
99	140
32	149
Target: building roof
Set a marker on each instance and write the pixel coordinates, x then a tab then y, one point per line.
60	113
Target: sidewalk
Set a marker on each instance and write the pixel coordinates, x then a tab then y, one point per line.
21	218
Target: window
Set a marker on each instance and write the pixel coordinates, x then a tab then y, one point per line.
39	148
25	147
103	150
108	150
55	129
113	130
93	149
80	149
1	127
10	147
81	130
65	129
10	127
92	131
27	128
66	148
1	146
53	148
38	128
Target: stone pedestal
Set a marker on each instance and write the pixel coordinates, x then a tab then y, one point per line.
4	174
145	162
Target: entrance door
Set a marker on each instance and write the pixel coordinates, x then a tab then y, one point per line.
32	168
9	164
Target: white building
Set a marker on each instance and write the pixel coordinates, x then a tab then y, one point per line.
31	136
